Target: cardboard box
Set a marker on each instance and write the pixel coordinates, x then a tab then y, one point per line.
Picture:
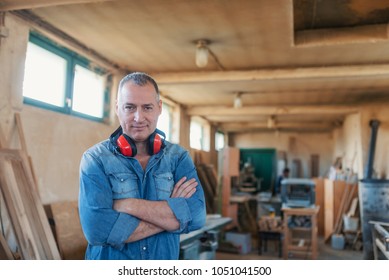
242	241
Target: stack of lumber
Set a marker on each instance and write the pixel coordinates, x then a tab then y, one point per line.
209	181
30	225
24	210
348	204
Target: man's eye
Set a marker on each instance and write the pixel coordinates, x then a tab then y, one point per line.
149	108
129	107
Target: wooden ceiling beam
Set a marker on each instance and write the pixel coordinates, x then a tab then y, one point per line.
350	71
270	110
346	35
236	127
13	5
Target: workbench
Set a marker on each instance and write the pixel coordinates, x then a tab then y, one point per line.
300	240
202	243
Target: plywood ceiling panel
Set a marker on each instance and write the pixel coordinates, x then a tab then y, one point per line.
278	37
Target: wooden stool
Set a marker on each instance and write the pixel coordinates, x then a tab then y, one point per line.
306	246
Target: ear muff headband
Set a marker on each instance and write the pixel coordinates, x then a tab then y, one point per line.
128	148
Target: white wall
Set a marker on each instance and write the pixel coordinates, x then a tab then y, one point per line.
348	144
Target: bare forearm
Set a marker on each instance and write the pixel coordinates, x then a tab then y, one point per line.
155	212
144	230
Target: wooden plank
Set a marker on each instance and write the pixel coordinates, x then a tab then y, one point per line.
271	110
207	189
329	208
5	251
70	238
212	177
355	71
338	220
37	209
339	187
319	200
21	132
23	144
16	211
32	214
26	210
10	5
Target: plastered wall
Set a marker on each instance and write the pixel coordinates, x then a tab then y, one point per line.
297	146
381	156
348	144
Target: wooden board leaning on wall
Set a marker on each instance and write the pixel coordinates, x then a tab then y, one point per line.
30	225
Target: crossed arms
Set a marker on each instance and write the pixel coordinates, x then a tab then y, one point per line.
155	216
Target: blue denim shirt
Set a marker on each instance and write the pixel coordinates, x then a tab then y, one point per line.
106	175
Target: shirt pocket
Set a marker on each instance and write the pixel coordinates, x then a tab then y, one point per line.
124	185
164	184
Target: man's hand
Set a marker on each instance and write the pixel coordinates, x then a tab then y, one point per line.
157	213
184	188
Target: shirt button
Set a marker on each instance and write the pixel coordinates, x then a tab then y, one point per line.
144	248
121	180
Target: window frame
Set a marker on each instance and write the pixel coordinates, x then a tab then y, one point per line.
72	59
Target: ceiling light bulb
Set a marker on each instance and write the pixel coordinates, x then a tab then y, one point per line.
238	101
271	122
201	54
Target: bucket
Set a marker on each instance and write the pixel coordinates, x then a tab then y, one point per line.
350	223
374	206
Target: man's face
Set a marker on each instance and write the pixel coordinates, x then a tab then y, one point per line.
138	110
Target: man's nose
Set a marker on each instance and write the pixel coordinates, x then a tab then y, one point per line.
138	116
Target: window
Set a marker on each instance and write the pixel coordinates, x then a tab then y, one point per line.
200	132
219	141
165	121
58	79
44	76
88	86
196	135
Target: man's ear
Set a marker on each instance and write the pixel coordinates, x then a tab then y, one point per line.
160	107
116	106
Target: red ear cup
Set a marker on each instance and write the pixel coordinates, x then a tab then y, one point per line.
126	146
155	144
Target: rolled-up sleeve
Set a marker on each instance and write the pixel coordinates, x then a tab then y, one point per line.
190	212
100	223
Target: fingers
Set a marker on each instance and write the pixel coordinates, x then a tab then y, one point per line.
184	188
117	205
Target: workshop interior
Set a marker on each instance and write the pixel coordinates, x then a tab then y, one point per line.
282	105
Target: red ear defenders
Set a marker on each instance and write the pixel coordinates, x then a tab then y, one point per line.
127	146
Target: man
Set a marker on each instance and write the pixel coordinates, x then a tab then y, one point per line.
138	192
285	174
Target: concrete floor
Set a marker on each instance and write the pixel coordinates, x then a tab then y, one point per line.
325	252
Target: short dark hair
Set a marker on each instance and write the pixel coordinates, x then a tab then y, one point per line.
140	79
286	170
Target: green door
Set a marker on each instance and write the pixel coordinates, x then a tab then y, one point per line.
265	165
